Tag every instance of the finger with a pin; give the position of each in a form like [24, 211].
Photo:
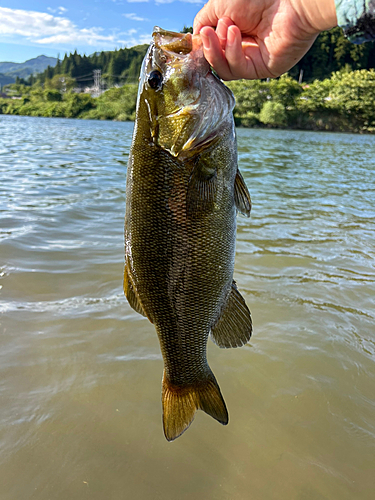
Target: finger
[222, 30]
[257, 60]
[197, 26]
[214, 54]
[239, 65]
[205, 17]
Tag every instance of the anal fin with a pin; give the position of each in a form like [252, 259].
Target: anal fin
[241, 195]
[233, 328]
[130, 293]
[181, 403]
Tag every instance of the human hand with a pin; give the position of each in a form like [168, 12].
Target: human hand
[260, 38]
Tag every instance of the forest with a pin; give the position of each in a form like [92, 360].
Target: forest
[331, 52]
[331, 88]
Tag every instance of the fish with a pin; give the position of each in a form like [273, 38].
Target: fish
[183, 192]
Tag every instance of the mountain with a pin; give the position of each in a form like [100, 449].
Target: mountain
[37, 65]
[4, 79]
[10, 70]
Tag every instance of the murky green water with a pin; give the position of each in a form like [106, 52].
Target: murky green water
[80, 371]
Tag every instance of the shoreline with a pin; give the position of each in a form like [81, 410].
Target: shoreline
[342, 103]
[238, 126]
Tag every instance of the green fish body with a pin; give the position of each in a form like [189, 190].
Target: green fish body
[183, 192]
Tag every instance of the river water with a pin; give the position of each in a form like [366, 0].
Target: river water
[80, 371]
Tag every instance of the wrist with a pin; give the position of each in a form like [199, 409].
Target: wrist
[318, 15]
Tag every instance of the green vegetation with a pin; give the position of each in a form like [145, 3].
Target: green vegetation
[337, 92]
[344, 102]
[115, 104]
[273, 113]
[330, 53]
[9, 71]
[117, 67]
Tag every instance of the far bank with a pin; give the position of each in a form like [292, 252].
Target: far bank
[345, 102]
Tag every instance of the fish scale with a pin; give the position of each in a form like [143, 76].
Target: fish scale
[180, 227]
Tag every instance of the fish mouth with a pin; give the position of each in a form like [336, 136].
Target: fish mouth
[176, 43]
[192, 104]
[177, 49]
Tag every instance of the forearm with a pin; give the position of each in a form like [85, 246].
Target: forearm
[316, 15]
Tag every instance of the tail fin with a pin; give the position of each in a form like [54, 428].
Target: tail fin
[181, 403]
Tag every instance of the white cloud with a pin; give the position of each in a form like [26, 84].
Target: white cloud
[136, 1]
[128, 39]
[31, 24]
[59, 10]
[131, 41]
[134, 17]
[44, 28]
[144, 39]
[90, 36]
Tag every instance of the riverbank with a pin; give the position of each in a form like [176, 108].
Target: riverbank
[343, 103]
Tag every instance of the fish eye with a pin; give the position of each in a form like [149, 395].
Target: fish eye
[155, 79]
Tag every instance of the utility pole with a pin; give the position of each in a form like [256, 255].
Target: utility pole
[97, 79]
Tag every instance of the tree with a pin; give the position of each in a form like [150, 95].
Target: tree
[62, 83]
[273, 113]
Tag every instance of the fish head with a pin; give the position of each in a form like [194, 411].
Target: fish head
[183, 102]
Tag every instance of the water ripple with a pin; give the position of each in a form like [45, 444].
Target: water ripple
[73, 353]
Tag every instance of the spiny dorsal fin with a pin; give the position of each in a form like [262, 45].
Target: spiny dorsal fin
[181, 403]
[241, 195]
[234, 326]
[130, 293]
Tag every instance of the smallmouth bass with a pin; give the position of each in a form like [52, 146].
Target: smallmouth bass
[182, 195]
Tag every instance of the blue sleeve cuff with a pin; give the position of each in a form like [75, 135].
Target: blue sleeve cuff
[357, 19]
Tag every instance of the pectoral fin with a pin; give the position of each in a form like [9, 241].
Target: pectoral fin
[202, 189]
[131, 294]
[234, 326]
[241, 195]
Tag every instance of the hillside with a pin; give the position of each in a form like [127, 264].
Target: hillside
[5, 79]
[330, 53]
[10, 70]
[117, 67]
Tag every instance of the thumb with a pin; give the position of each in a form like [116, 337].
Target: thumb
[205, 17]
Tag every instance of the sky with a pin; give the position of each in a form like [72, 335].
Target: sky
[53, 27]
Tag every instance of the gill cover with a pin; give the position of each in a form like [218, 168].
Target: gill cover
[186, 103]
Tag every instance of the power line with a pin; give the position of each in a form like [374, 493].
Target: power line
[97, 81]
[84, 76]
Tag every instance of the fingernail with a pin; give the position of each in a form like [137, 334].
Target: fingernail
[231, 36]
[205, 41]
[220, 21]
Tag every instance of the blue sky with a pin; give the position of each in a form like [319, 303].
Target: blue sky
[51, 27]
